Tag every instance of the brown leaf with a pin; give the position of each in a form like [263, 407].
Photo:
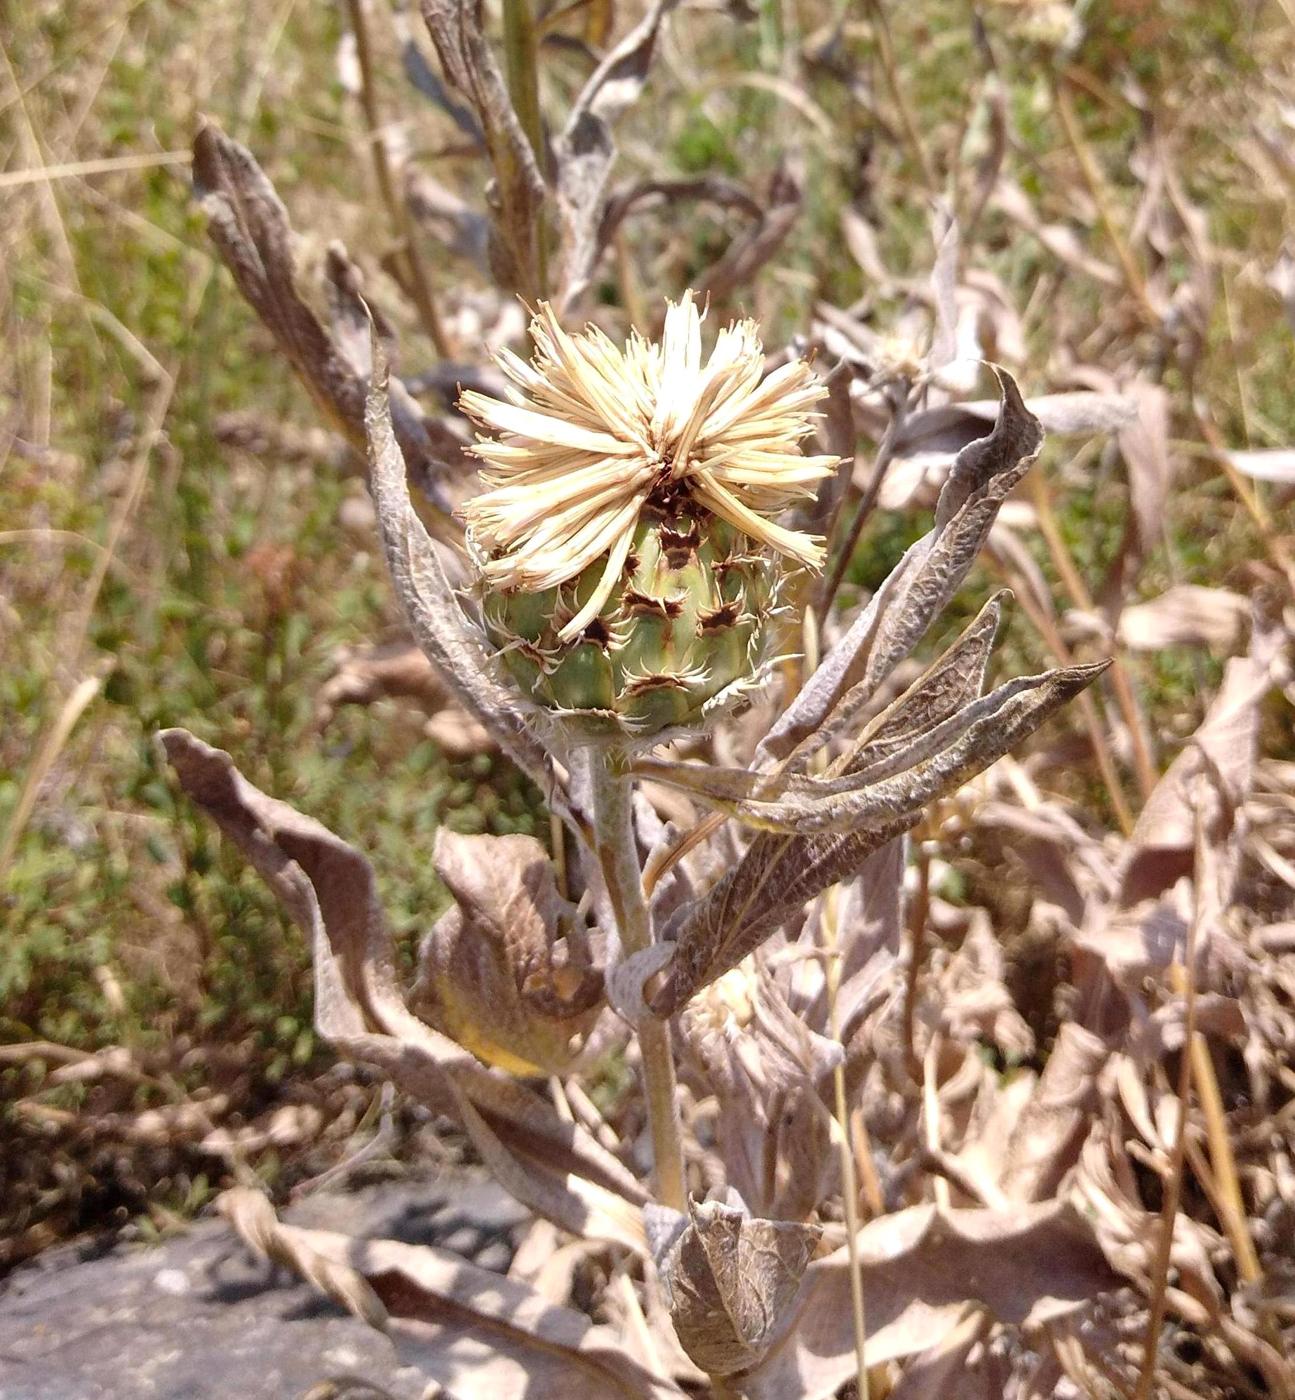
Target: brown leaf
[920, 1270]
[365, 674]
[518, 193]
[585, 151]
[1047, 1136]
[1222, 752]
[497, 973]
[728, 1280]
[250, 227]
[749, 252]
[767, 1070]
[328, 889]
[489, 1337]
[1186, 615]
[1144, 444]
[924, 580]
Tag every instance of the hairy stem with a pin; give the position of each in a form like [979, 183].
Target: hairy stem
[618, 860]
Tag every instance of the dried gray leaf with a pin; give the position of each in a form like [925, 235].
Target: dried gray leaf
[518, 192]
[250, 228]
[728, 1279]
[924, 580]
[437, 621]
[328, 889]
[489, 1337]
[920, 1271]
[892, 787]
[769, 885]
[946, 686]
[585, 151]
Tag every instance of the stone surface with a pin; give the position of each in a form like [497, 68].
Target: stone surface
[198, 1317]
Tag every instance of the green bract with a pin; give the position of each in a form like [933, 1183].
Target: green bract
[683, 635]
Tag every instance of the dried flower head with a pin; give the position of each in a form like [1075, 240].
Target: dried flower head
[597, 435]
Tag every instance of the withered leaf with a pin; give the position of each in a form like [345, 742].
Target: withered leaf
[518, 193]
[490, 1337]
[452, 644]
[1186, 615]
[924, 580]
[920, 1270]
[769, 885]
[952, 681]
[585, 151]
[888, 789]
[749, 252]
[1222, 753]
[496, 973]
[250, 228]
[328, 888]
[728, 1280]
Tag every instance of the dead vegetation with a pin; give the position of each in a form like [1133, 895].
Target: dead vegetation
[965, 1049]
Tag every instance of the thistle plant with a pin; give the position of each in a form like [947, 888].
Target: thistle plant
[629, 557]
[628, 552]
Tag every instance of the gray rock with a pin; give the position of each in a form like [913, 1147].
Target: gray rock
[198, 1317]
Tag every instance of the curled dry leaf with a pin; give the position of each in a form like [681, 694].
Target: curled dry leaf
[250, 228]
[729, 1279]
[925, 579]
[327, 887]
[502, 972]
[453, 645]
[518, 192]
[749, 252]
[491, 1338]
[921, 1269]
[767, 1070]
[1222, 752]
[817, 830]
[252, 1215]
[585, 151]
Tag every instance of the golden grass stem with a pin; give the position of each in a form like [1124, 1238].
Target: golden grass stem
[1174, 1186]
[1222, 1161]
[849, 1183]
[51, 745]
[1144, 767]
[418, 283]
[1096, 184]
[886, 50]
[1088, 711]
[1249, 498]
[521, 68]
[617, 850]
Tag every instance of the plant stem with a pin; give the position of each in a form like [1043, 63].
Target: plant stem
[418, 284]
[849, 1182]
[618, 859]
[521, 64]
[1159, 1272]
